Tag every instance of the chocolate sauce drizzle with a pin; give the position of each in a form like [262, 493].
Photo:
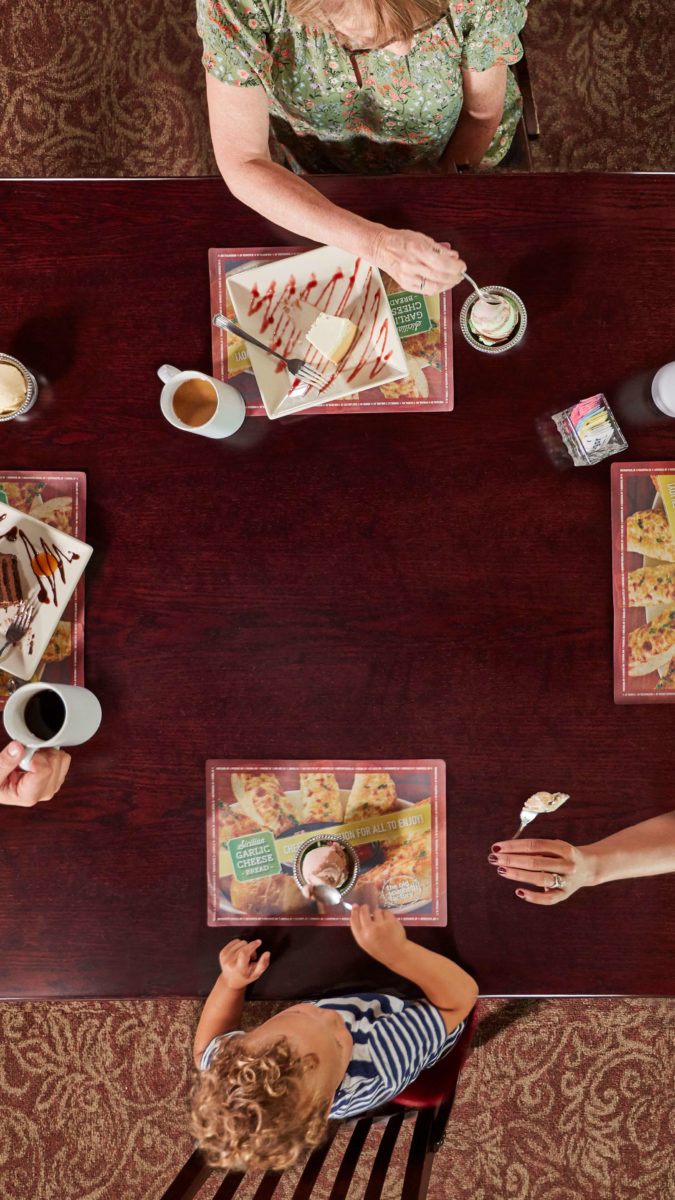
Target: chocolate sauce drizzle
[51, 551]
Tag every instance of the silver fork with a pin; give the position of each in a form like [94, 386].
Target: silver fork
[297, 366]
[20, 625]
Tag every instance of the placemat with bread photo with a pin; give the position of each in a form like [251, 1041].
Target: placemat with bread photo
[643, 523]
[260, 815]
[424, 325]
[58, 499]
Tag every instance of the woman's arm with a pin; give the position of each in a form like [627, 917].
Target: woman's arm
[644, 849]
[239, 119]
[225, 1003]
[446, 985]
[484, 93]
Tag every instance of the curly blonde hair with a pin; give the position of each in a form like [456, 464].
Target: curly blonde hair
[392, 19]
[253, 1109]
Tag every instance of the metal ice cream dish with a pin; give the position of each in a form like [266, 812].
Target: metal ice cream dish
[499, 346]
[327, 839]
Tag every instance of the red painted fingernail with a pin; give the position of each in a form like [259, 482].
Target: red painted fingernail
[497, 848]
[519, 892]
[492, 858]
[501, 870]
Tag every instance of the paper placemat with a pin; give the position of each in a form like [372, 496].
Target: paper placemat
[59, 499]
[643, 571]
[257, 821]
[424, 324]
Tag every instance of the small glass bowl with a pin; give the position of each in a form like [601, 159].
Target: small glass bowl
[31, 388]
[324, 839]
[500, 347]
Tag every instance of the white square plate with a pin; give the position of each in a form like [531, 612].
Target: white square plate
[327, 280]
[49, 563]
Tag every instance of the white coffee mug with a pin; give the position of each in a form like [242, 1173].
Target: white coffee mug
[663, 389]
[73, 721]
[229, 412]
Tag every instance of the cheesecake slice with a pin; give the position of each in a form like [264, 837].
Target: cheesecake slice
[332, 336]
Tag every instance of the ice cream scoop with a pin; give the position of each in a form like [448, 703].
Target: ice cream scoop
[540, 802]
[493, 322]
[12, 388]
[324, 864]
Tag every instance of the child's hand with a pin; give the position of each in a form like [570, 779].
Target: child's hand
[378, 932]
[238, 963]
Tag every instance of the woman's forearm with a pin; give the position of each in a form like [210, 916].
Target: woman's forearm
[470, 140]
[444, 983]
[290, 201]
[644, 849]
[221, 1013]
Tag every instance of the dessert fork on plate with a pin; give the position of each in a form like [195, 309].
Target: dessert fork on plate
[297, 366]
[20, 625]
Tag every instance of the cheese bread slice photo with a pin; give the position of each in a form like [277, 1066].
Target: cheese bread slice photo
[651, 585]
[232, 823]
[261, 797]
[649, 533]
[371, 793]
[320, 797]
[652, 646]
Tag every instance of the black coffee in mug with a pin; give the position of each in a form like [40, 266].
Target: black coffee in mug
[44, 715]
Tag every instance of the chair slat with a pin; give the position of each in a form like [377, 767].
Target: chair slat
[268, 1185]
[350, 1159]
[229, 1185]
[383, 1157]
[189, 1179]
[420, 1159]
[317, 1158]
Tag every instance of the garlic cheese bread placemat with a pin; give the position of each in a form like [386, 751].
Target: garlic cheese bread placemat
[59, 499]
[643, 568]
[259, 814]
[424, 325]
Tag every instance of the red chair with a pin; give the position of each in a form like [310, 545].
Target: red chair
[431, 1096]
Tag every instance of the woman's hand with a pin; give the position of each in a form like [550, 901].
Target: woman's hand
[46, 772]
[535, 861]
[238, 965]
[378, 932]
[417, 262]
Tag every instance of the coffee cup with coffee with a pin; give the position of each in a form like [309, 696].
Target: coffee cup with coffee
[198, 403]
[44, 715]
[18, 388]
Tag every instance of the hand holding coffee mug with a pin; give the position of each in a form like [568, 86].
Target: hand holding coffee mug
[197, 403]
[45, 715]
[24, 789]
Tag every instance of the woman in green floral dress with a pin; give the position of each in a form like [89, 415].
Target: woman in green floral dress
[299, 87]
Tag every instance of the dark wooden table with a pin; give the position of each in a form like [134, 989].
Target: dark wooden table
[340, 586]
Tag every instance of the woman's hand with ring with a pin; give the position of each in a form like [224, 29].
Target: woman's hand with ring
[410, 257]
[536, 861]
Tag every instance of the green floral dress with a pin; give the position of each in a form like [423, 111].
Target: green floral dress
[369, 113]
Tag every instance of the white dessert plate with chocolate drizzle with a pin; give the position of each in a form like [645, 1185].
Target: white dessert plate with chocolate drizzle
[278, 303]
[38, 563]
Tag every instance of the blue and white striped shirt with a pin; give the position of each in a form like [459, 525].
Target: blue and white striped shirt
[393, 1040]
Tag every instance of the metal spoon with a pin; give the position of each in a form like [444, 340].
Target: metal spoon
[486, 296]
[328, 895]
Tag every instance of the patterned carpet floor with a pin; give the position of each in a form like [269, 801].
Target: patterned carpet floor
[559, 1100]
[116, 88]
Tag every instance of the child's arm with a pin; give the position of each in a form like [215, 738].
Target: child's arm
[224, 1004]
[445, 984]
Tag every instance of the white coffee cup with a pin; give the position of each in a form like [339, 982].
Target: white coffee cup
[663, 389]
[81, 717]
[230, 407]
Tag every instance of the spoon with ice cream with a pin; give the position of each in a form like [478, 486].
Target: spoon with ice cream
[540, 802]
[486, 296]
[328, 895]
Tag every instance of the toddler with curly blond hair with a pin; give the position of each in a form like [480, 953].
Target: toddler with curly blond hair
[263, 1098]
